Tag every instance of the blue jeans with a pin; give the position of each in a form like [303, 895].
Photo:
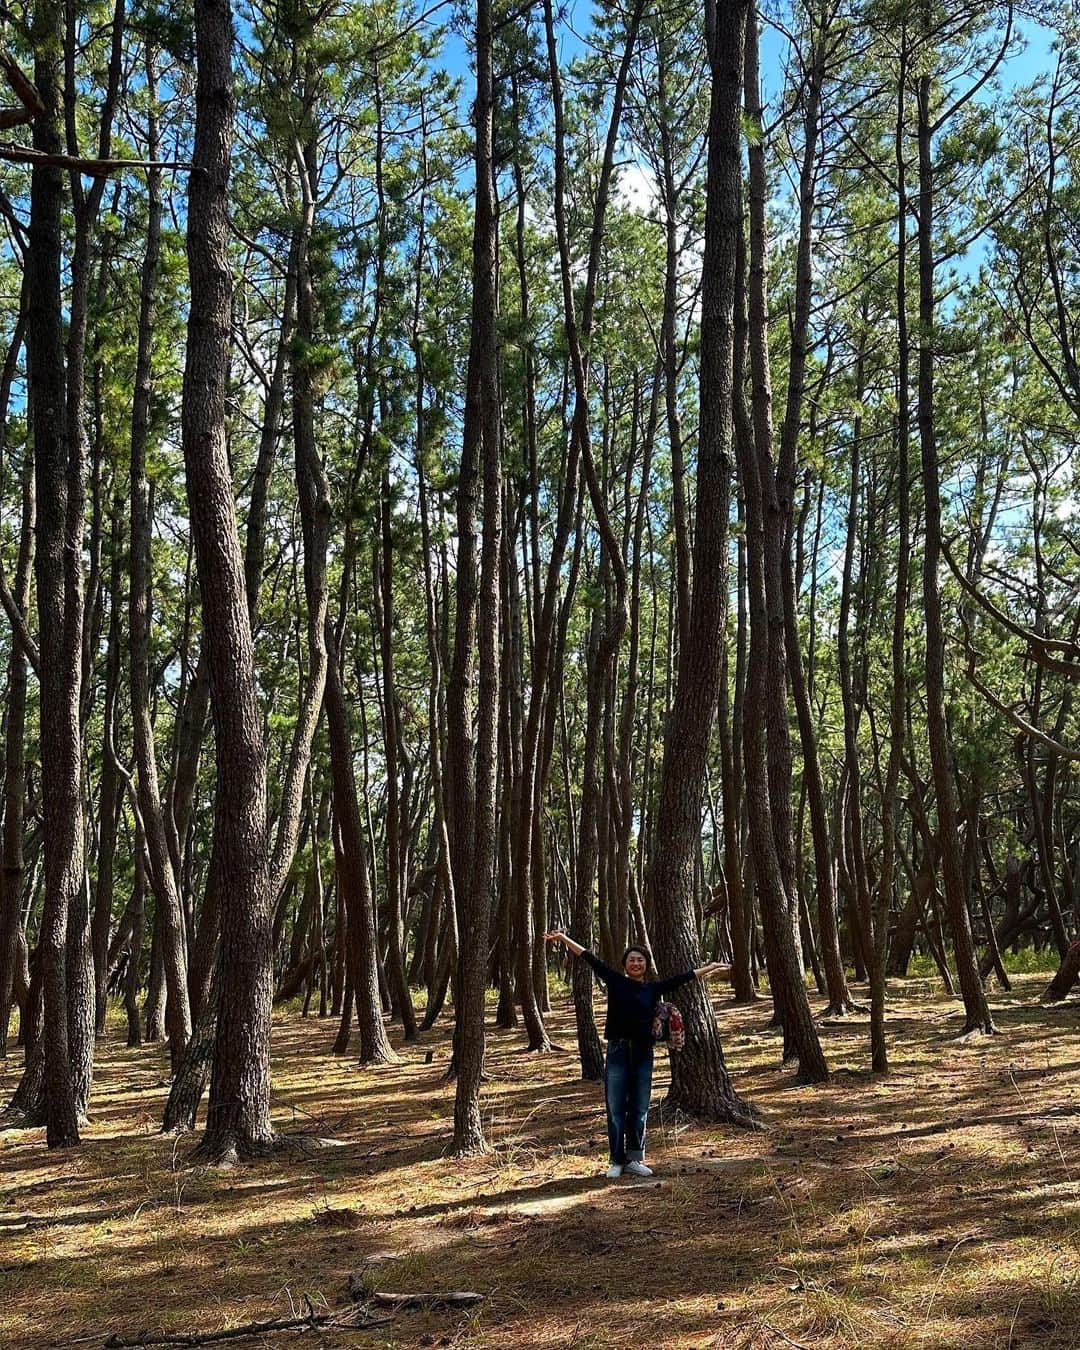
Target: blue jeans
[627, 1088]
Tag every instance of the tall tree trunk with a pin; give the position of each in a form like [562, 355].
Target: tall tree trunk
[82, 617]
[589, 1050]
[840, 1001]
[859, 909]
[161, 861]
[898, 693]
[977, 1012]
[313, 494]
[481, 447]
[133, 973]
[238, 1120]
[767, 537]
[110, 792]
[436, 698]
[578, 331]
[396, 806]
[58, 565]
[354, 881]
[670, 196]
[700, 1083]
[12, 860]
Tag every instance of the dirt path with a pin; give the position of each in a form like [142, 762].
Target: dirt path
[939, 1208]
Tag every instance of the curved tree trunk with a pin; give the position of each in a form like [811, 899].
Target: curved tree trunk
[1068, 974]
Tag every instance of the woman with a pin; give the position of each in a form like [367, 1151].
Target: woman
[628, 1064]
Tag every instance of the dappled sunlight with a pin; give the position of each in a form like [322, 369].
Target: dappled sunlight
[936, 1207]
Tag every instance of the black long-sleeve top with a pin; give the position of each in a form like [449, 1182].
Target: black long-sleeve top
[632, 1003]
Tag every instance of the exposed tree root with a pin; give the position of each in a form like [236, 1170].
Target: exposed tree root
[840, 1010]
[726, 1111]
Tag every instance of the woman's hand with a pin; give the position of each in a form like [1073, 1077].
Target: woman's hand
[567, 941]
[713, 968]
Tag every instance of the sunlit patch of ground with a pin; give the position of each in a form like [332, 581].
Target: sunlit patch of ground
[937, 1208]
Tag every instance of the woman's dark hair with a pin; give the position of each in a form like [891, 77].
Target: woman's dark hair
[635, 948]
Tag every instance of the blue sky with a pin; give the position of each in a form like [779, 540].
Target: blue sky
[1029, 52]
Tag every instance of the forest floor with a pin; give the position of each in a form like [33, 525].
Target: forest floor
[938, 1207]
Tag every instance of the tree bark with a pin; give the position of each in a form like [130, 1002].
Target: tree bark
[161, 861]
[898, 693]
[58, 568]
[238, 1120]
[110, 789]
[840, 1001]
[354, 881]
[768, 793]
[977, 1013]
[12, 860]
[481, 445]
[135, 949]
[700, 1083]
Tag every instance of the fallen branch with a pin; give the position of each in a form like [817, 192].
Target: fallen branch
[460, 1299]
[311, 1322]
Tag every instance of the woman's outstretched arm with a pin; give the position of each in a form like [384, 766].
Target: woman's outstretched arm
[713, 968]
[673, 982]
[605, 973]
[566, 940]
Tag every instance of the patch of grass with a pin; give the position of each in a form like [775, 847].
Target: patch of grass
[1028, 961]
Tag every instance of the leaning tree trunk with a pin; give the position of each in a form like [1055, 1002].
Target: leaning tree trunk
[161, 861]
[578, 332]
[768, 793]
[238, 1120]
[976, 1010]
[840, 1000]
[1067, 975]
[700, 1083]
[313, 495]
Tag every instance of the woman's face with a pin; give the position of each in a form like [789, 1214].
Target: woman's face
[636, 965]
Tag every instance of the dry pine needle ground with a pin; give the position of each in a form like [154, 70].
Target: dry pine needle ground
[939, 1207]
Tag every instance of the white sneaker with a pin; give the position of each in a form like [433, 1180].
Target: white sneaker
[614, 1172]
[638, 1169]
